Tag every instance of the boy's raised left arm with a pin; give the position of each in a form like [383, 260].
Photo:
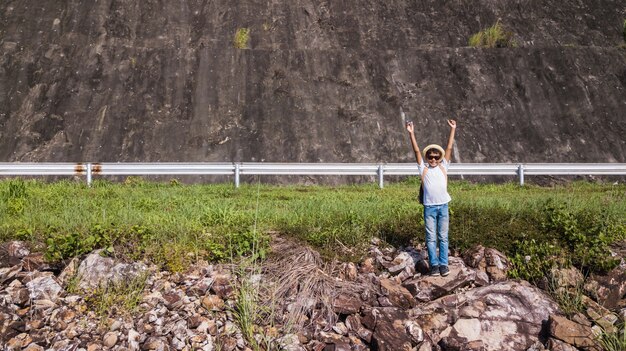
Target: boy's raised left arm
[452, 124]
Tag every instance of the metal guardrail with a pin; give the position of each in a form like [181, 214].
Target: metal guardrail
[89, 170]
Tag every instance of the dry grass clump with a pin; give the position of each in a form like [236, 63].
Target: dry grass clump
[304, 285]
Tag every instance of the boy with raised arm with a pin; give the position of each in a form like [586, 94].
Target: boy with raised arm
[434, 176]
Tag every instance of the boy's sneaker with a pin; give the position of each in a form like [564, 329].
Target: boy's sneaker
[434, 271]
[444, 270]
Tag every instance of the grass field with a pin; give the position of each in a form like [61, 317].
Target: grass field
[173, 224]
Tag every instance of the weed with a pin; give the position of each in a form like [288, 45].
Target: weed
[493, 37]
[242, 38]
[569, 298]
[613, 341]
[532, 260]
[121, 297]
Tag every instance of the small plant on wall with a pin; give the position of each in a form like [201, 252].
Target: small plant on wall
[493, 37]
[242, 38]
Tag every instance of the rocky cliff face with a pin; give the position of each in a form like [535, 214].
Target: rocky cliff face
[317, 81]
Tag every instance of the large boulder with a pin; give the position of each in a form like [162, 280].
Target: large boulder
[504, 316]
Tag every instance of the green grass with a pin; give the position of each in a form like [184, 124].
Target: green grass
[173, 224]
[242, 38]
[492, 37]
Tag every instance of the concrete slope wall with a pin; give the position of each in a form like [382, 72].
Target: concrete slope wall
[317, 81]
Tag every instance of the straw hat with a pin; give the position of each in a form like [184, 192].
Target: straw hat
[436, 147]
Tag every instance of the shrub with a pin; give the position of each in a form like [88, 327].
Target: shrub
[493, 37]
[242, 37]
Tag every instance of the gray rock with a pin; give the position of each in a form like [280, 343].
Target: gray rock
[504, 316]
[44, 287]
[95, 271]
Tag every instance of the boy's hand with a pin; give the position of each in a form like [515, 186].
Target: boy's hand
[409, 127]
[452, 123]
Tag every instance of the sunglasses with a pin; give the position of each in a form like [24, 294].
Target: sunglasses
[433, 157]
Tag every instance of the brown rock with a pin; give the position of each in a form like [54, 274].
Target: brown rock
[558, 345]
[347, 304]
[398, 295]
[213, 303]
[33, 347]
[389, 333]
[571, 332]
[367, 266]
[222, 286]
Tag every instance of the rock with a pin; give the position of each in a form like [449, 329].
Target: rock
[346, 304]
[44, 287]
[95, 271]
[222, 286]
[400, 262]
[212, 303]
[367, 266]
[109, 339]
[570, 332]
[389, 331]
[608, 290]
[429, 288]
[34, 262]
[558, 345]
[487, 260]
[600, 315]
[12, 252]
[133, 340]
[566, 277]
[290, 342]
[504, 316]
[69, 272]
[415, 331]
[398, 295]
[33, 347]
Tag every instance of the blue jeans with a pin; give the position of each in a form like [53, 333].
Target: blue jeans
[436, 222]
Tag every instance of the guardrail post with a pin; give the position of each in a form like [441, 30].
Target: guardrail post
[380, 176]
[89, 174]
[520, 173]
[236, 175]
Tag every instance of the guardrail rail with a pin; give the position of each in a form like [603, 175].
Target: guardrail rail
[90, 170]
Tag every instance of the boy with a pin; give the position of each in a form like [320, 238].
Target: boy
[434, 176]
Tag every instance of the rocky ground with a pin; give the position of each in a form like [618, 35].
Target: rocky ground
[298, 302]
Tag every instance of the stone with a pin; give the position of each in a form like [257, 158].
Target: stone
[346, 304]
[608, 290]
[367, 266]
[95, 271]
[558, 345]
[429, 288]
[12, 252]
[570, 332]
[44, 287]
[109, 339]
[213, 303]
[415, 331]
[222, 286]
[69, 272]
[389, 332]
[504, 316]
[398, 295]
